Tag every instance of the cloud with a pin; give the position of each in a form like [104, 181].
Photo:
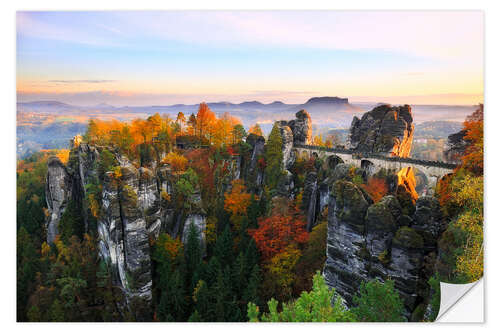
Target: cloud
[80, 81]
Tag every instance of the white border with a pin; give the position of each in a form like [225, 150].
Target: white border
[7, 63]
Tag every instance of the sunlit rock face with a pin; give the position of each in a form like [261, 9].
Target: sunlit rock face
[386, 129]
[406, 178]
[57, 192]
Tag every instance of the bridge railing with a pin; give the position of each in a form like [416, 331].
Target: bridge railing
[361, 155]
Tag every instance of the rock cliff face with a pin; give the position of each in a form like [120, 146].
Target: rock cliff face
[385, 129]
[130, 206]
[250, 168]
[57, 192]
[287, 139]
[369, 240]
[132, 210]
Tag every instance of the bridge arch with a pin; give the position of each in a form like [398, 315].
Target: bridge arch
[432, 170]
[369, 168]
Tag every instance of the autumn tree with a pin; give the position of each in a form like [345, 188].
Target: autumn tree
[205, 120]
[277, 232]
[461, 197]
[255, 129]
[181, 120]
[376, 187]
[176, 161]
[237, 200]
[473, 159]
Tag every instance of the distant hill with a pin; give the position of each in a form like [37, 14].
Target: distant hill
[334, 111]
[437, 129]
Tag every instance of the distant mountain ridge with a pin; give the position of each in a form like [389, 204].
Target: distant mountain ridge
[326, 111]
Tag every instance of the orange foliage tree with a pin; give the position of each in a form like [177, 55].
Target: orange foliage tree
[237, 200]
[176, 161]
[473, 158]
[377, 188]
[277, 232]
[255, 129]
[205, 120]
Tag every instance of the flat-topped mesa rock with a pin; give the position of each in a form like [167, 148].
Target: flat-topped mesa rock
[386, 129]
[327, 100]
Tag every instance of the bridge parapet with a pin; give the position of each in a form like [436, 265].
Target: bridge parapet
[365, 155]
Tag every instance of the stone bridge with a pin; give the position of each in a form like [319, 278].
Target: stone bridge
[372, 162]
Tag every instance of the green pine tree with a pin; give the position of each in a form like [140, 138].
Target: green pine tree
[274, 159]
[378, 302]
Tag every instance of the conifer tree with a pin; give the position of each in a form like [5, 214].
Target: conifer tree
[224, 248]
[274, 158]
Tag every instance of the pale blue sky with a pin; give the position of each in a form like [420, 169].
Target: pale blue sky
[136, 58]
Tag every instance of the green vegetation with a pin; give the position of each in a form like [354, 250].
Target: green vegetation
[378, 302]
[313, 306]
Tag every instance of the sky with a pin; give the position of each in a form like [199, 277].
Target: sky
[169, 57]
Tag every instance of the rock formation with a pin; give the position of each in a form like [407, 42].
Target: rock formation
[250, 168]
[287, 140]
[293, 132]
[301, 128]
[57, 193]
[133, 209]
[385, 129]
[455, 147]
[369, 240]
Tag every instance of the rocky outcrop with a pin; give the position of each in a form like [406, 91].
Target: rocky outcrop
[385, 129]
[455, 146]
[428, 220]
[58, 193]
[346, 254]
[310, 198]
[128, 202]
[369, 241]
[134, 207]
[250, 168]
[301, 128]
[296, 131]
[286, 143]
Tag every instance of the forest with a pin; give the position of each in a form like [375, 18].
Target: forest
[259, 258]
